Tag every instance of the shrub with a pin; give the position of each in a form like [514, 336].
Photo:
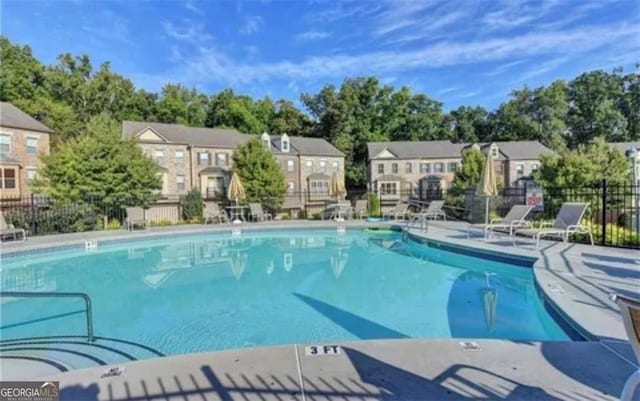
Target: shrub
[316, 216]
[161, 223]
[374, 205]
[59, 218]
[114, 224]
[192, 205]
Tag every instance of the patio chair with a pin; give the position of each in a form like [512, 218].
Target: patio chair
[257, 213]
[567, 222]
[630, 310]
[398, 212]
[135, 215]
[213, 212]
[514, 220]
[10, 230]
[361, 209]
[434, 210]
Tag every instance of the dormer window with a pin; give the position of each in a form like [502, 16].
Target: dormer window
[493, 151]
[284, 143]
[266, 140]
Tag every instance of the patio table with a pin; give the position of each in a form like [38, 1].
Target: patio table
[236, 212]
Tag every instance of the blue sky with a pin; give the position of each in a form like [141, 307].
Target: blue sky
[465, 52]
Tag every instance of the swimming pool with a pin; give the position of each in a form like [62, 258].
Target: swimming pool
[211, 291]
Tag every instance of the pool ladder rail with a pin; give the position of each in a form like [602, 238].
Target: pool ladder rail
[33, 294]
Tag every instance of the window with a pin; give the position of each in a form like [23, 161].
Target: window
[519, 169]
[388, 188]
[7, 178]
[394, 168]
[221, 159]
[380, 168]
[5, 143]
[291, 187]
[180, 182]
[453, 167]
[158, 156]
[319, 187]
[534, 167]
[291, 167]
[323, 166]
[494, 152]
[425, 168]
[32, 146]
[203, 158]
[309, 163]
[408, 168]
[32, 173]
[179, 157]
[438, 167]
[285, 143]
[335, 165]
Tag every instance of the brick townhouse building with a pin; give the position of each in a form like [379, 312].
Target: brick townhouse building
[201, 158]
[23, 139]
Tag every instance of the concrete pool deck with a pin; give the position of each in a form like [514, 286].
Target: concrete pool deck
[576, 279]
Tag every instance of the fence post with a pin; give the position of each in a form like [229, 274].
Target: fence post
[34, 226]
[524, 193]
[604, 212]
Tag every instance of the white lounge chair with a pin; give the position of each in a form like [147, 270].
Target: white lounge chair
[257, 213]
[398, 212]
[434, 210]
[212, 212]
[514, 220]
[630, 310]
[135, 215]
[361, 209]
[10, 230]
[567, 222]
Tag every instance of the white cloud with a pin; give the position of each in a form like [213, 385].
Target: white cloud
[252, 24]
[189, 32]
[312, 35]
[191, 6]
[215, 65]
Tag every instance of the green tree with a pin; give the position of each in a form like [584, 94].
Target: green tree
[100, 165]
[586, 166]
[228, 110]
[469, 174]
[469, 124]
[179, 105]
[259, 173]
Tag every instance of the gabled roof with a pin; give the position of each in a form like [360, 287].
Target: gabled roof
[417, 149]
[624, 146]
[13, 117]
[522, 150]
[227, 138]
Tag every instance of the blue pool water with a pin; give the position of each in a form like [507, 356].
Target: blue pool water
[210, 292]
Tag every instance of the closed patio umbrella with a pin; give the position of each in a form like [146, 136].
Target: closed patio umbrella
[337, 190]
[236, 191]
[487, 186]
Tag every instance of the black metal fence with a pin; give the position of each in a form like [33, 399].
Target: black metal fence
[613, 214]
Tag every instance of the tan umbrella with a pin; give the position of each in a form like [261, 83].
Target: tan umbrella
[236, 190]
[336, 186]
[337, 190]
[487, 186]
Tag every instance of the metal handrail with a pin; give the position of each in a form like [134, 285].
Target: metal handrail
[87, 302]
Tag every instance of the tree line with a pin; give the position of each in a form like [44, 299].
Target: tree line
[562, 115]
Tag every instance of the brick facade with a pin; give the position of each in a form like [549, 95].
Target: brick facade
[21, 160]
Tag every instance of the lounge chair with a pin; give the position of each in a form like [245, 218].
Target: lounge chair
[514, 220]
[212, 212]
[434, 210]
[361, 209]
[10, 230]
[398, 212]
[567, 222]
[257, 213]
[135, 215]
[630, 309]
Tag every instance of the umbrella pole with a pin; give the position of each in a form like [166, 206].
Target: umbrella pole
[486, 211]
